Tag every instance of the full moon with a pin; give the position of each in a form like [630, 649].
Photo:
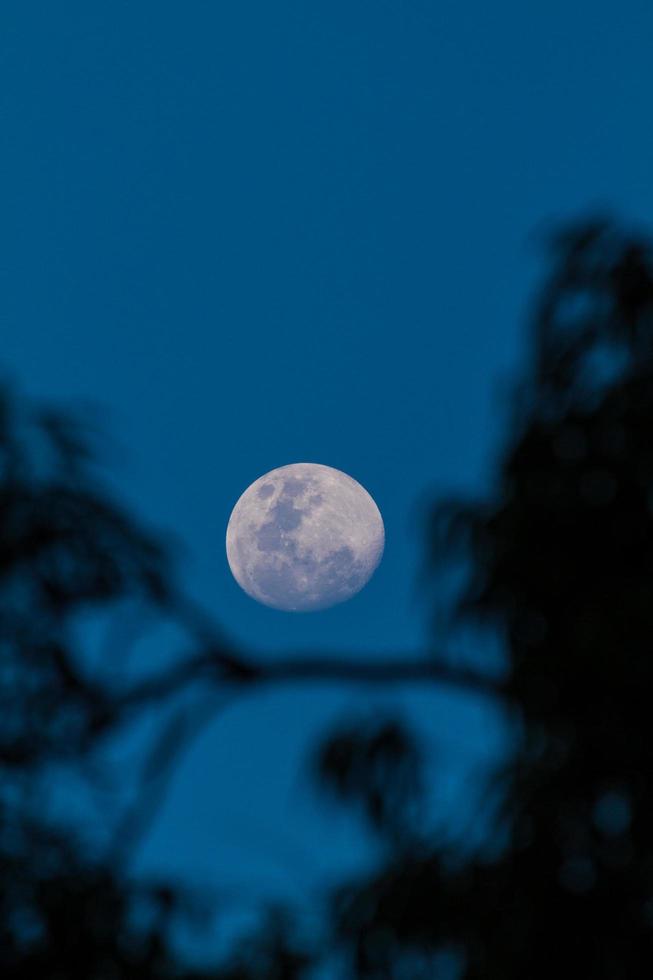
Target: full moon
[304, 536]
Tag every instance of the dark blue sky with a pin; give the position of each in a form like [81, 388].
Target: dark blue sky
[257, 233]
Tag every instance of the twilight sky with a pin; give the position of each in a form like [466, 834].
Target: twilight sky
[260, 233]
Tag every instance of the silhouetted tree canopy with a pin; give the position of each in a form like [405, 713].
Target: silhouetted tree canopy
[560, 563]
[559, 566]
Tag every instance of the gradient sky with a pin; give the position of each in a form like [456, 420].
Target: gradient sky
[258, 233]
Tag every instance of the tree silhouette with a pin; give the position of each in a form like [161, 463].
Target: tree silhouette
[559, 565]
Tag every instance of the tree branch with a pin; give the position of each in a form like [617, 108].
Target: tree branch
[218, 666]
[397, 670]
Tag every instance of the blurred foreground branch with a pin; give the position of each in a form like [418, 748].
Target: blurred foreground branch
[250, 672]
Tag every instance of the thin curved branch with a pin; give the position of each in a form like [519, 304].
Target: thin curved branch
[174, 739]
[218, 666]
[399, 670]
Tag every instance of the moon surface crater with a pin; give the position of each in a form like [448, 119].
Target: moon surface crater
[304, 537]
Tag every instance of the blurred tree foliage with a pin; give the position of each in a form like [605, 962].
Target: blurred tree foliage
[68, 550]
[559, 565]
